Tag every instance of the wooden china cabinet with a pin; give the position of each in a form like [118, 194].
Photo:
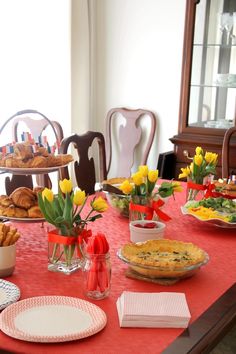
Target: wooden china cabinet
[208, 87]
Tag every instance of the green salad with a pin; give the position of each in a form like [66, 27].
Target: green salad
[121, 204]
[222, 205]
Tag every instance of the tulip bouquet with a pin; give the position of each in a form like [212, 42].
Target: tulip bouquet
[64, 211]
[200, 172]
[145, 196]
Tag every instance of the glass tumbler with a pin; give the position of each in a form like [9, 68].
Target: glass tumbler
[97, 275]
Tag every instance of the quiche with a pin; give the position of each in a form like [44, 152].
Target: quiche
[117, 180]
[163, 258]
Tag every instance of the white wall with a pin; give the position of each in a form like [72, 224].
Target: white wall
[35, 58]
[35, 61]
[138, 62]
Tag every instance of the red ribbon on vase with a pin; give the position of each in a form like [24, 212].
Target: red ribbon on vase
[149, 210]
[210, 190]
[54, 237]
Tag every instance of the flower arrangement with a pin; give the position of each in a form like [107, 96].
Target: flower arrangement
[198, 173]
[143, 191]
[64, 211]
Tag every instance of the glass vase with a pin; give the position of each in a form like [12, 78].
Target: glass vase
[97, 275]
[64, 253]
[195, 191]
[139, 207]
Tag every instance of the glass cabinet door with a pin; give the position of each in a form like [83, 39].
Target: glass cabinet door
[212, 96]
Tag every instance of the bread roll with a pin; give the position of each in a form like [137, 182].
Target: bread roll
[226, 189]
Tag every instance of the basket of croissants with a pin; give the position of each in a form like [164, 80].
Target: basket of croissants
[21, 203]
[28, 155]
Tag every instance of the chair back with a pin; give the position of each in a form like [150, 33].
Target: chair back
[36, 127]
[127, 136]
[226, 152]
[84, 167]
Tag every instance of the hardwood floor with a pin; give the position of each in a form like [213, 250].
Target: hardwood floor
[227, 345]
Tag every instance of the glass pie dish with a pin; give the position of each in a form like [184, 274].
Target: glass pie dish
[172, 272]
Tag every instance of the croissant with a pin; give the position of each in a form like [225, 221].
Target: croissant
[38, 189]
[5, 201]
[35, 212]
[2, 209]
[23, 197]
[59, 160]
[23, 164]
[11, 161]
[23, 151]
[38, 161]
[15, 212]
[2, 161]
[40, 150]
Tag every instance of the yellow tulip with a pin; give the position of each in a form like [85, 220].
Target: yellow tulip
[66, 186]
[48, 194]
[99, 205]
[137, 178]
[198, 150]
[191, 167]
[126, 187]
[185, 172]
[198, 160]
[79, 197]
[177, 187]
[153, 176]
[144, 170]
[211, 157]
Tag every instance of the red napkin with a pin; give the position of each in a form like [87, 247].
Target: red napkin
[98, 276]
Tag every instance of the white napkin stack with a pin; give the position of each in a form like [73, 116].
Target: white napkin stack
[163, 309]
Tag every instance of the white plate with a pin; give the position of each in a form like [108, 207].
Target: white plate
[52, 319]
[30, 171]
[9, 293]
[215, 221]
[25, 220]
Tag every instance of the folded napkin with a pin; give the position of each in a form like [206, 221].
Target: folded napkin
[163, 309]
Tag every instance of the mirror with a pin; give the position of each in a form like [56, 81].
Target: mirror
[212, 102]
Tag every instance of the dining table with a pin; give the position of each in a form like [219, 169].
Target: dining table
[210, 292]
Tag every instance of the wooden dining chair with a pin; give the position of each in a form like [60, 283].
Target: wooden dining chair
[124, 134]
[226, 171]
[85, 167]
[20, 122]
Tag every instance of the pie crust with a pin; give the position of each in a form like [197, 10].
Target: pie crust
[163, 258]
[116, 180]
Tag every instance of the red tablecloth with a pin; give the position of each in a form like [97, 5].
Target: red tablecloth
[201, 290]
